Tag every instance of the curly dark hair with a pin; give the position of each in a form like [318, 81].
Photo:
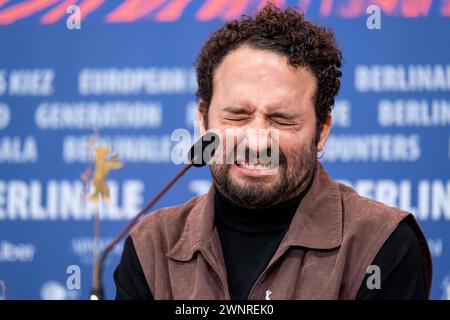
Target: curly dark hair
[285, 32]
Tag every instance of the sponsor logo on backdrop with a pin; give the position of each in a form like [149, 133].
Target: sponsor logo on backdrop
[54, 290]
[16, 252]
[83, 248]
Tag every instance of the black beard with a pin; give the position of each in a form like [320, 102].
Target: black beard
[294, 178]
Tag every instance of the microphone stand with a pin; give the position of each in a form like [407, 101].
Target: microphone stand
[97, 292]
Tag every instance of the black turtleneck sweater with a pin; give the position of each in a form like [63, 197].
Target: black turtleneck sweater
[250, 238]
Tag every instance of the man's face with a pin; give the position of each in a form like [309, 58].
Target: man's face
[259, 90]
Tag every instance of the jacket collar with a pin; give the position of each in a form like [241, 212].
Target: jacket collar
[317, 223]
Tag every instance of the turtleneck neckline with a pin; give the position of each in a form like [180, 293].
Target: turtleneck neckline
[266, 220]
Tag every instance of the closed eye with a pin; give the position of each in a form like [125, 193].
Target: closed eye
[284, 122]
[285, 119]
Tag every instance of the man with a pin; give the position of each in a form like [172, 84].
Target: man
[260, 233]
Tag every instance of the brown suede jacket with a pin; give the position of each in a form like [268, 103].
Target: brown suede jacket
[333, 238]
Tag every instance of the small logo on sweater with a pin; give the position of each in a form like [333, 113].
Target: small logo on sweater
[268, 293]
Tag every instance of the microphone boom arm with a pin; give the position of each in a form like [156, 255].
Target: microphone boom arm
[97, 292]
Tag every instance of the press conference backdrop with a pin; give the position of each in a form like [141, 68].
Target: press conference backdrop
[122, 75]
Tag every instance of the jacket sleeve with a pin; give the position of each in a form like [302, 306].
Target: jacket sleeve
[129, 276]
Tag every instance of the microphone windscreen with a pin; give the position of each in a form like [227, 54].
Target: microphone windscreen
[203, 149]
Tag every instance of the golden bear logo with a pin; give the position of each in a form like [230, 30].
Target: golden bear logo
[102, 167]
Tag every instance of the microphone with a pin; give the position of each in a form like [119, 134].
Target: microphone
[203, 149]
[199, 155]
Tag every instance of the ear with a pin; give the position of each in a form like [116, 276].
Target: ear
[200, 116]
[326, 127]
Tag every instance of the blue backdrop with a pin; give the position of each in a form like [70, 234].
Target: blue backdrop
[128, 72]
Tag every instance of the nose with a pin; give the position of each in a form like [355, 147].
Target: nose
[257, 139]
[258, 142]
[253, 142]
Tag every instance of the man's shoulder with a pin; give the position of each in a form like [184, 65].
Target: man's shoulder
[364, 214]
[168, 223]
[370, 225]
